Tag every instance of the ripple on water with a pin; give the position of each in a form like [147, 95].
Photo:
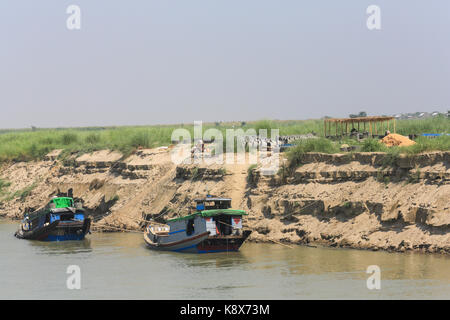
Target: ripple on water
[119, 266]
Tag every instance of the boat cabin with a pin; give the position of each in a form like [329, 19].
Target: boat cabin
[210, 203]
[60, 219]
[58, 208]
[220, 219]
[62, 208]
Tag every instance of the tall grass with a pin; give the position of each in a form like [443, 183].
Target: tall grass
[373, 145]
[439, 124]
[4, 186]
[424, 144]
[323, 145]
[25, 144]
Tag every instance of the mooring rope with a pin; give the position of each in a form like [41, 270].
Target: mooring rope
[253, 229]
[105, 226]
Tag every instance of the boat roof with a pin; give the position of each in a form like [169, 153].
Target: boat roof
[211, 199]
[62, 202]
[211, 213]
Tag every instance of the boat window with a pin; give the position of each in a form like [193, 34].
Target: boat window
[224, 204]
[213, 204]
[190, 227]
[223, 224]
[66, 216]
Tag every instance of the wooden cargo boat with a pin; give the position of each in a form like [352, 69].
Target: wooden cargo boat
[59, 220]
[214, 227]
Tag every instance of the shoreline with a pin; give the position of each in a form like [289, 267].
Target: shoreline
[331, 200]
[286, 243]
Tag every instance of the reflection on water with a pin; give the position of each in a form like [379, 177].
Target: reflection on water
[68, 247]
[218, 260]
[118, 265]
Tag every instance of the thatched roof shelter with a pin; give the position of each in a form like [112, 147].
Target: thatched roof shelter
[372, 125]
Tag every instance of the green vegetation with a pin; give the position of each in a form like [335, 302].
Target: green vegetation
[347, 204]
[440, 124]
[25, 192]
[195, 173]
[323, 145]
[21, 194]
[264, 125]
[285, 172]
[3, 187]
[424, 144]
[414, 177]
[92, 138]
[30, 144]
[114, 199]
[373, 145]
[251, 176]
[391, 157]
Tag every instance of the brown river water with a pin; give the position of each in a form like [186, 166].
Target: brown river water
[119, 266]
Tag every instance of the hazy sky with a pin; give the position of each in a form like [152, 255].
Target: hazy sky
[171, 61]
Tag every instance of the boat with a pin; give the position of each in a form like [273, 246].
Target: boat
[213, 227]
[59, 220]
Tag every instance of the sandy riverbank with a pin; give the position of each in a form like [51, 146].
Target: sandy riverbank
[335, 200]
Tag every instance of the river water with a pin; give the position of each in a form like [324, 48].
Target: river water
[119, 266]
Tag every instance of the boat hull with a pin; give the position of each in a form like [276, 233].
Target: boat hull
[185, 245]
[202, 243]
[222, 244]
[57, 231]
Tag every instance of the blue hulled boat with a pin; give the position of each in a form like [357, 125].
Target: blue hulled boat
[59, 220]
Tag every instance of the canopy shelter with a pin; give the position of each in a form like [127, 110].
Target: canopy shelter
[367, 126]
[211, 213]
[211, 202]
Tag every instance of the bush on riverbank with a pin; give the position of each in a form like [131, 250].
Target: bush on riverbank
[311, 145]
[423, 144]
[373, 145]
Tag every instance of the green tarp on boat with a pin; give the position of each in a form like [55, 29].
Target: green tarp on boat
[212, 213]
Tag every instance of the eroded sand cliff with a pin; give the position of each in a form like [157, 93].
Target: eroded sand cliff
[361, 200]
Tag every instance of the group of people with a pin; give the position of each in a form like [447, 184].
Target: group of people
[365, 134]
[198, 148]
[292, 138]
[252, 142]
[256, 142]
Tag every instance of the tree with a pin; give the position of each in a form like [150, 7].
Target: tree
[264, 124]
[362, 114]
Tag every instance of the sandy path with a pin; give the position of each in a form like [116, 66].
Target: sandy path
[236, 182]
[160, 192]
